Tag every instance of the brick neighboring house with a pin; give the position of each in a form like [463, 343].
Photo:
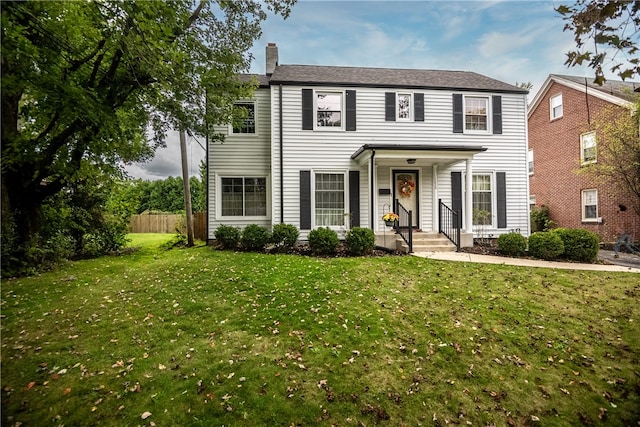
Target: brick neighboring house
[561, 139]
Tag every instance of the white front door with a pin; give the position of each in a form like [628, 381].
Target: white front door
[406, 190]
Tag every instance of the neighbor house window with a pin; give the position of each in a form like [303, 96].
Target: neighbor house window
[329, 109]
[588, 147]
[530, 161]
[329, 199]
[403, 109]
[589, 205]
[482, 199]
[532, 201]
[476, 113]
[243, 196]
[249, 123]
[556, 106]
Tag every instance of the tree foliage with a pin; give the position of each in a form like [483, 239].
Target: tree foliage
[618, 153]
[601, 25]
[83, 83]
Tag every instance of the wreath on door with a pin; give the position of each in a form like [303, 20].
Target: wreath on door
[406, 186]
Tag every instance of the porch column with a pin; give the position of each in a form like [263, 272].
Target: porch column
[434, 202]
[468, 214]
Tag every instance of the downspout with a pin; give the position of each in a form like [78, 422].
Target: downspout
[371, 179]
[206, 154]
[586, 100]
[281, 159]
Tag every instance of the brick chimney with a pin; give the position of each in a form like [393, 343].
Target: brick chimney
[272, 58]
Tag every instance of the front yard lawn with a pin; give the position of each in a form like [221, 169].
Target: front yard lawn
[205, 337]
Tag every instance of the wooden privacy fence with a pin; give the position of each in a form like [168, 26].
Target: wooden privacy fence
[167, 223]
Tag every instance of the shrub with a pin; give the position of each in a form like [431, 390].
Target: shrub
[284, 236]
[360, 241]
[512, 244]
[323, 241]
[254, 238]
[227, 236]
[545, 245]
[541, 220]
[579, 245]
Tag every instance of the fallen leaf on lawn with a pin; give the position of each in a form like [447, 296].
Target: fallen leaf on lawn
[67, 390]
[145, 415]
[162, 367]
[30, 385]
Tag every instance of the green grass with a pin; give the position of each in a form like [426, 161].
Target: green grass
[204, 337]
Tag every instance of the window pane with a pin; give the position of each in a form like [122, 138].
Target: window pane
[404, 106]
[588, 147]
[329, 198]
[590, 203]
[249, 125]
[329, 109]
[256, 196]
[476, 113]
[556, 106]
[481, 199]
[231, 196]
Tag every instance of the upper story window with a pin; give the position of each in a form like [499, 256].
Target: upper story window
[530, 161]
[588, 147]
[404, 112]
[556, 106]
[249, 123]
[329, 109]
[475, 113]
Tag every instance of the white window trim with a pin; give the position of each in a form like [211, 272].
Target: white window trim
[530, 160]
[582, 141]
[411, 113]
[583, 205]
[218, 196]
[255, 117]
[494, 197]
[345, 173]
[532, 200]
[489, 115]
[551, 116]
[343, 111]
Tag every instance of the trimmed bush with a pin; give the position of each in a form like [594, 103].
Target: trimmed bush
[545, 245]
[323, 241]
[579, 245]
[254, 238]
[512, 244]
[284, 236]
[360, 241]
[227, 236]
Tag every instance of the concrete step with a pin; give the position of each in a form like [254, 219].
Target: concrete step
[428, 242]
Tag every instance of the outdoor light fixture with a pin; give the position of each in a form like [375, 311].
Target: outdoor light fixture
[411, 161]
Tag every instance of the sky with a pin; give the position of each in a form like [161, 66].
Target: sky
[508, 40]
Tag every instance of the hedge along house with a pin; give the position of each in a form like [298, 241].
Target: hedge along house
[339, 147]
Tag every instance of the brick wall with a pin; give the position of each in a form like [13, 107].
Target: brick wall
[556, 182]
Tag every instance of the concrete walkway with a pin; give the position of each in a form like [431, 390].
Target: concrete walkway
[625, 263]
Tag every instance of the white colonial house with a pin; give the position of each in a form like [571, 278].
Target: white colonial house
[339, 147]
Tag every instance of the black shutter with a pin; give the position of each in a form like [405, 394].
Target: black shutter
[390, 106]
[351, 110]
[307, 109]
[497, 114]
[305, 200]
[458, 116]
[354, 198]
[456, 194]
[418, 107]
[501, 197]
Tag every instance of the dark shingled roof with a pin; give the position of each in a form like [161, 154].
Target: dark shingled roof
[387, 77]
[263, 80]
[621, 89]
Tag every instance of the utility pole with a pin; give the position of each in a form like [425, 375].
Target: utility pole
[187, 191]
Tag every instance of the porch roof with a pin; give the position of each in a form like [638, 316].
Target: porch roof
[420, 151]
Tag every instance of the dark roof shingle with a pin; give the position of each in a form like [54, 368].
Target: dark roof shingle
[621, 89]
[388, 77]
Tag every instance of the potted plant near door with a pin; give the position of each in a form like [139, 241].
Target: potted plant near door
[390, 218]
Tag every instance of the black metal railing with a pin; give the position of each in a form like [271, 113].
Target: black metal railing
[404, 225]
[450, 223]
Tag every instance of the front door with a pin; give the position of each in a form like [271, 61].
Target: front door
[406, 190]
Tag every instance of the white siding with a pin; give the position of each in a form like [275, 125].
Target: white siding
[241, 155]
[316, 150]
